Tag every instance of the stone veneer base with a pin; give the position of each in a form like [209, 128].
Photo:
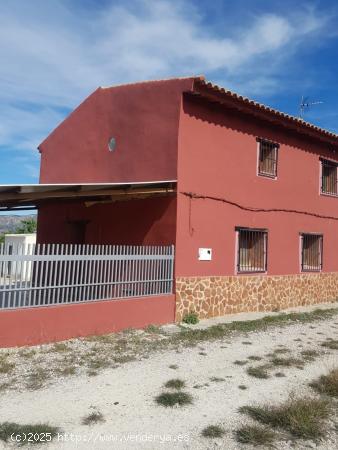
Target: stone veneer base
[218, 296]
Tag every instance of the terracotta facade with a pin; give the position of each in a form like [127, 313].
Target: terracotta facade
[217, 296]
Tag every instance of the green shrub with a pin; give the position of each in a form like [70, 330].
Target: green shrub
[191, 318]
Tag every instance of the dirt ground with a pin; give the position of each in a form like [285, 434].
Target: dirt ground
[214, 371]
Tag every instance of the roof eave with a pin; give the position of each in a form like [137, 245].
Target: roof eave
[230, 99]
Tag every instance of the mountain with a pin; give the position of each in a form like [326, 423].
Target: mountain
[8, 224]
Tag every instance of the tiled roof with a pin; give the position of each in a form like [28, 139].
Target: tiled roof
[202, 86]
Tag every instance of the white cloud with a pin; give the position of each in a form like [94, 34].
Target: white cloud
[53, 55]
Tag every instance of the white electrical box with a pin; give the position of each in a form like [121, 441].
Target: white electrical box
[204, 254]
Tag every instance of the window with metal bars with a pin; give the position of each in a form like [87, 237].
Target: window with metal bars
[312, 252]
[267, 158]
[329, 177]
[252, 250]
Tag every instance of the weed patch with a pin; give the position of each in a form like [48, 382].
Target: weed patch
[152, 329]
[258, 372]
[5, 365]
[240, 363]
[93, 418]
[175, 383]
[27, 353]
[301, 417]
[280, 374]
[213, 431]
[191, 318]
[255, 358]
[66, 371]
[37, 378]
[331, 344]
[309, 355]
[98, 363]
[287, 362]
[327, 384]
[281, 351]
[255, 435]
[170, 399]
[60, 347]
[216, 379]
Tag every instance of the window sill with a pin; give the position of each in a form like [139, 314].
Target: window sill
[250, 272]
[265, 175]
[327, 194]
[311, 270]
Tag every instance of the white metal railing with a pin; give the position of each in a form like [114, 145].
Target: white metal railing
[50, 274]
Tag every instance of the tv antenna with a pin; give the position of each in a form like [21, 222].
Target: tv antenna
[305, 104]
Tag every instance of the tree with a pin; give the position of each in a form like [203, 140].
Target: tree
[27, 226]
[2, 238]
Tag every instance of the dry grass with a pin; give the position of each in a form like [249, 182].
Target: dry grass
[153, 329]
[175, 383]
[217, 379]
[66, 371]
[309, 353]
[281, 350]
[6, 366]
[327, 384]
[60, 347]
[280, 374]
[5, 386]
[27, 352]
[258, 371]
[255, 358]
[255, 435]
[240, 363]
[287, 362]
[331, 344]
[170, 399]
[37, 378]
[98, 363]
[213, 431]
[93, 418]
[301, 417]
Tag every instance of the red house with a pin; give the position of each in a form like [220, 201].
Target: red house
[252, 211]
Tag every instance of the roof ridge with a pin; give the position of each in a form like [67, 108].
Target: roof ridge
[192, 77]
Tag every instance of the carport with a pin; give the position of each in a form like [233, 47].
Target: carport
[104, 260]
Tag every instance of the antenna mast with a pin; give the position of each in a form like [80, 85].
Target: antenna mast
[306, 104]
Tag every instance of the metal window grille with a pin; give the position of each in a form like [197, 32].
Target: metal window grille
[329, 178]
[252, 250]
[268, 154]
[43, 275]
[312, 252]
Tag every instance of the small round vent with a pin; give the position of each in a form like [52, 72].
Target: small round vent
[111, 144]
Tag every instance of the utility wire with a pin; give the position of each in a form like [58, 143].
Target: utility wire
[193, 195]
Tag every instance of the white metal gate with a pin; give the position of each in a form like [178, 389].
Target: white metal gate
[51, 274]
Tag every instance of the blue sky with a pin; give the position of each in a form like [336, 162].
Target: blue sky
[54, 53]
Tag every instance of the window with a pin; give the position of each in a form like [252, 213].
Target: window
[329, 177]
[267, 158]
[312, 252]
[252, 248]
